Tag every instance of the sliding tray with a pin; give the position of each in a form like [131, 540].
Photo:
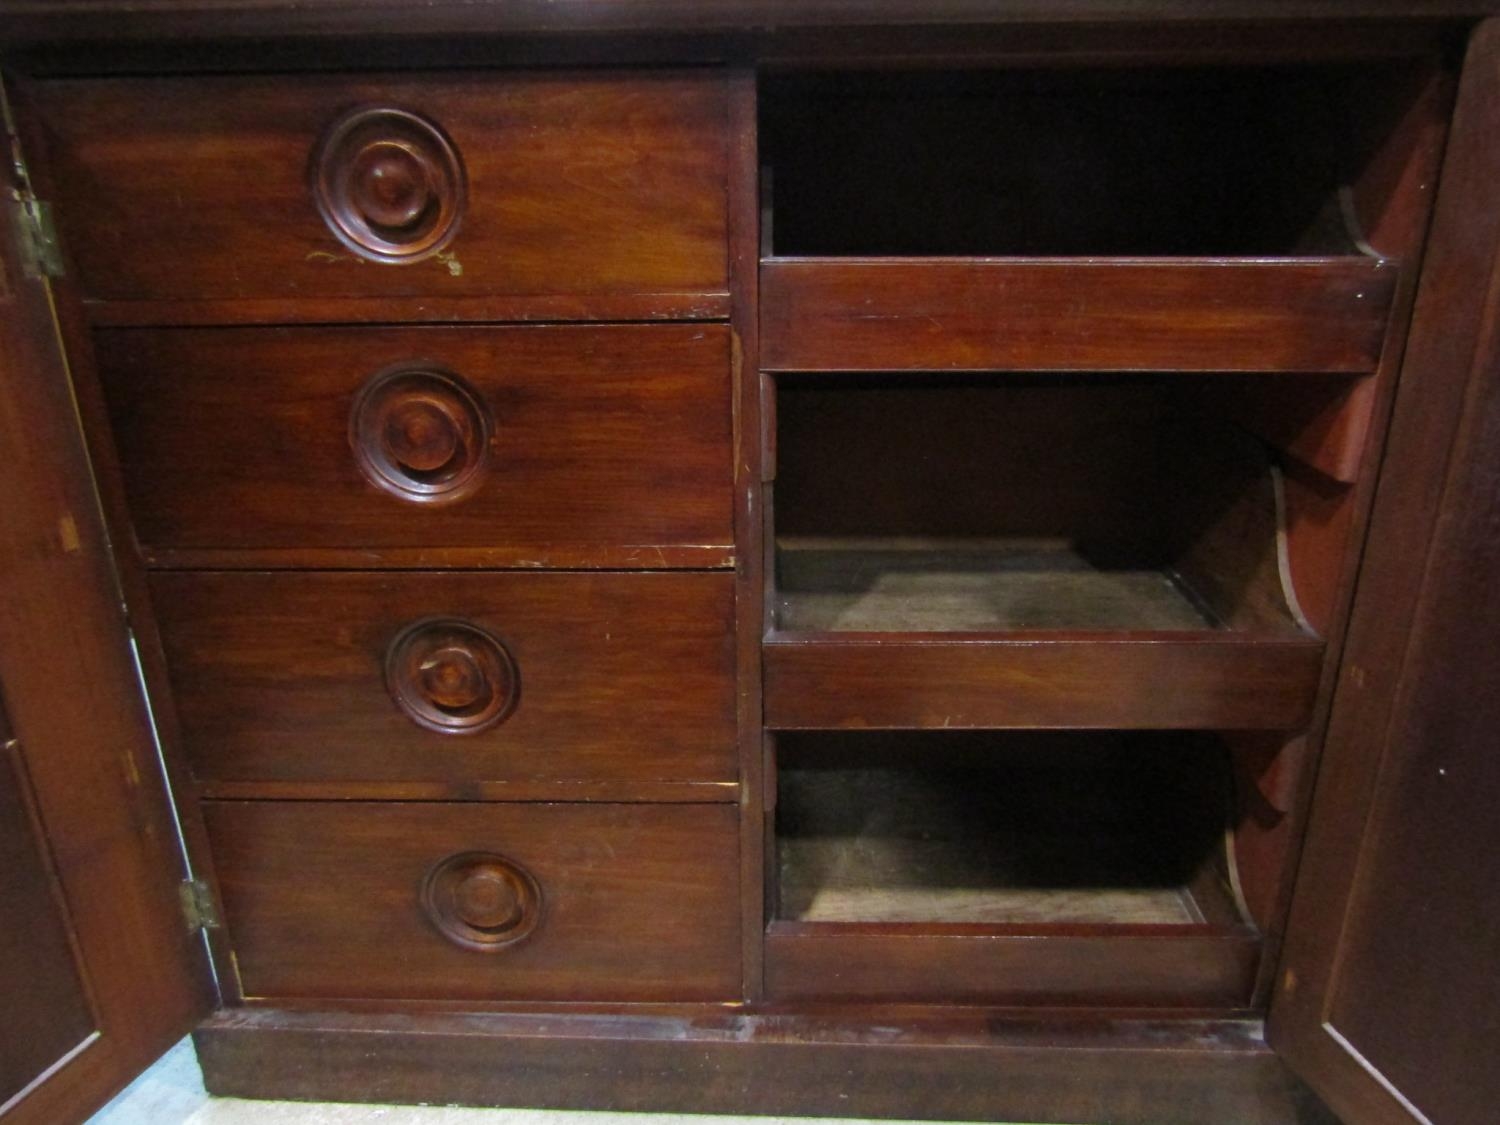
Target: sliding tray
[917, 867]
[1028, 551]
[975, 314]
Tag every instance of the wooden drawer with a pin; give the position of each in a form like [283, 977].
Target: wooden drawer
[616, 679]
[479, 902]
[550, 445]
[573, 186]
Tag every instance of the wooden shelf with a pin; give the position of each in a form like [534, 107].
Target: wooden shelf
[1123, 967]
[1056, 680]
[871, 635]
[1294, 315]
[927, 866]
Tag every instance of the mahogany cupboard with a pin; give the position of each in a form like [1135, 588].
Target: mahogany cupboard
[872, 559]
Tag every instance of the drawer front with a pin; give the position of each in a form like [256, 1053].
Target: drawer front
[479, 902]
[260, 187]
[534, 439]
[457, 678]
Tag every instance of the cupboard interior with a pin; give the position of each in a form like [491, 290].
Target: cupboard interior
[1007, 829]
[994, 503]
[1123, 161]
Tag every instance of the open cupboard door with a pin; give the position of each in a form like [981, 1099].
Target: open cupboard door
[99, 970]
[1389, 988]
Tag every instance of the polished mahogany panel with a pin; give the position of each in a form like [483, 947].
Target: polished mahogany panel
[209, 188]
[529, 438]
[618, 902]
[523, 678]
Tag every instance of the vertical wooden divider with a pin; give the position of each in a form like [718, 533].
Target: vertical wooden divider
[749, 511]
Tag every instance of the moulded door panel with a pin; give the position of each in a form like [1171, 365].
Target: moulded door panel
[98, 971]
[47, 1008]
[1388, 998]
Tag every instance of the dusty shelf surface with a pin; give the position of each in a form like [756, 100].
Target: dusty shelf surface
[992, 586]
[1086, 832]
[863, 880]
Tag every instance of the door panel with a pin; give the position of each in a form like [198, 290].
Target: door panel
[1388, 999]
[82, 798]
[47, 1009]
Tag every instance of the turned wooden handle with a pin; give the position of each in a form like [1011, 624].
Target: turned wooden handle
[421, 434]
[389, 183]
[451, 676]
[482, 901]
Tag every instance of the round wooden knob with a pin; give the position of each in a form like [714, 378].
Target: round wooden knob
[482, 901]
[424, 434]
[451, 676]
[454, 678]
[420, 434]
[393, 186]
[389, 184]
[489, 898]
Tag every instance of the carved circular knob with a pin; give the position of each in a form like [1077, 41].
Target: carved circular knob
[451, 677]
[421, 434]
[482, 901]
[389, 184]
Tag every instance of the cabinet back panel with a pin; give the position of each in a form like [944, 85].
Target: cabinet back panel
[1124, 163]
[874, 456]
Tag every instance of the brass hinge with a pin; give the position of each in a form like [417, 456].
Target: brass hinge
[198, 908]
[41, 254]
